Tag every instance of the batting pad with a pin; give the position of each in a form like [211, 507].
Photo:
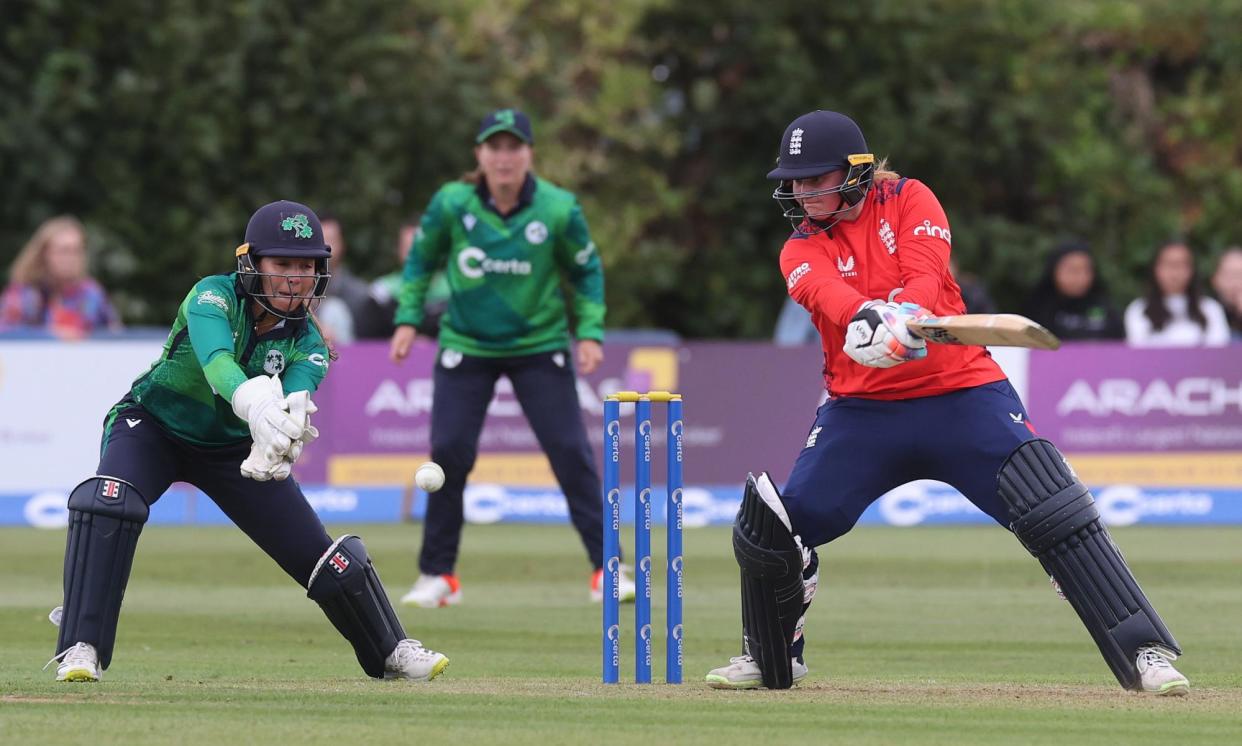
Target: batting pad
[1054, 516]
[771, 563]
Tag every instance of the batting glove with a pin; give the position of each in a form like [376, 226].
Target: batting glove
[877, 336]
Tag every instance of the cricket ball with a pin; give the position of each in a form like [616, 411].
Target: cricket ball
[429, 477]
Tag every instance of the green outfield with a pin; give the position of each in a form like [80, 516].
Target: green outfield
[930, 635]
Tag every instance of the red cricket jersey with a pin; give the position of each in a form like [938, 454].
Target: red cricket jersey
[900, 240]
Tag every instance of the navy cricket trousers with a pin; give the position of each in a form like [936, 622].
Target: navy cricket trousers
[545, 387]
[858, 449]
[275, 515]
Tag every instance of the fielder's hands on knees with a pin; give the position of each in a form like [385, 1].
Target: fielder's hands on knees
[877, 336]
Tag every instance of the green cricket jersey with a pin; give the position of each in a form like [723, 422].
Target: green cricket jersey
[504, 272]
[211, 350]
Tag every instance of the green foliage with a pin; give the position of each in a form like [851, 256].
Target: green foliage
[165, 124]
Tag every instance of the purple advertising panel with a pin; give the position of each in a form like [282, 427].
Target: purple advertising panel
[1097, 398]
[1157, 418]
[747, 407]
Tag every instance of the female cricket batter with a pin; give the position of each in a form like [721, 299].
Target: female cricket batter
[507, 238]
[226, 408]
[870, 250]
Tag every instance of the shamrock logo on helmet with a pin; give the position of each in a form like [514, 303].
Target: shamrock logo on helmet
[299, 224]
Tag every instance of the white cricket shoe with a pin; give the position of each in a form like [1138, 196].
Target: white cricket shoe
[743, 673]
[625, 585]
[78, 663]
[1157, 674]
[410, 660]
[434, 591]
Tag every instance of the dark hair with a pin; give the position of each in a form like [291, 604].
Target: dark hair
[1157, 311]
[1047, 286]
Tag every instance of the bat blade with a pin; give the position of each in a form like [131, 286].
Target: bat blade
[987, 329]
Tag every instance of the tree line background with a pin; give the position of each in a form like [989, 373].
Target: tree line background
[164, 123]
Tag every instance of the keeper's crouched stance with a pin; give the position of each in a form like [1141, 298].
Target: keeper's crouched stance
[227, 408]
[869, 252]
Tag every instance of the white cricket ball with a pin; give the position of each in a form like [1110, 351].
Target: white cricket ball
[429, 477]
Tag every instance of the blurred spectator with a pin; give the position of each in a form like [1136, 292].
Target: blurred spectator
[794, 326]
[1227, 282]
[345, 311]
[1173, 311]
[49, 287]
[1071, 299]
[974, 293]
[335, 321]
[384, 293]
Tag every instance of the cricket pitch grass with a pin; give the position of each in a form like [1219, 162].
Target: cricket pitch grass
[926, 636]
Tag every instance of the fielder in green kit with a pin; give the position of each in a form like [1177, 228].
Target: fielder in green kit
[506, 239]
[227, 407]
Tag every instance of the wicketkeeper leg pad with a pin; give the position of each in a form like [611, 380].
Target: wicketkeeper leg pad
[771, 561]
[345, 585]
[1054, 516]
[106, 515]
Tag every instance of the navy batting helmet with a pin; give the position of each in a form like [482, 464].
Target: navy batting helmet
[815, 144]
[283, 229]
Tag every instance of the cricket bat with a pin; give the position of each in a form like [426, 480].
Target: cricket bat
[988, 329]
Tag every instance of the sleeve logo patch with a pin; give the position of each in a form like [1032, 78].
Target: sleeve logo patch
[317, 358]
[584, 256]
[927, 229]
[799, 272]
[213, 298]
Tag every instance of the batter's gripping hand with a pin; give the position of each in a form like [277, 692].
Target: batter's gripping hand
[877, 336]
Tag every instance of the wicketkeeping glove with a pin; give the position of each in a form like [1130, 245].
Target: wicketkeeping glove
[301, 408]
[877, 336]
[260, 401]
[259, 467]
[263, 464]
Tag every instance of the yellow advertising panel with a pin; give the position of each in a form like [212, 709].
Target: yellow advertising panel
[1200, 469]
[511, 469]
